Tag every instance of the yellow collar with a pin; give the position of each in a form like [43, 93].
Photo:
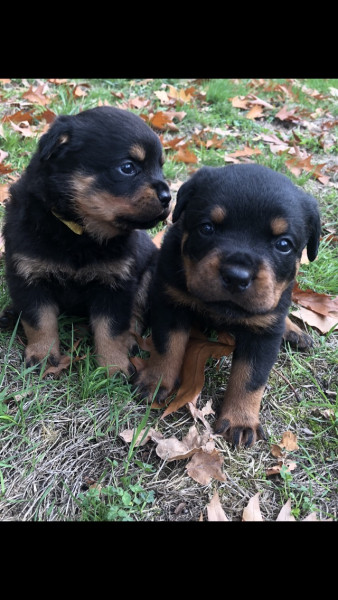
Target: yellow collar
[75, 227]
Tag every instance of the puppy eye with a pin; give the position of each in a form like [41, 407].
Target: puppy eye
[283, 245]
[206, 229]
[127, 168]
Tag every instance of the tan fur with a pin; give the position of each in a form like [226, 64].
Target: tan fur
[111, 352]
[204, 281]
[106, 272]
[137, 152]
[279, 225]
[218, 214]
[43, 340]
[99, 211]
[241, 407]
[166, 366]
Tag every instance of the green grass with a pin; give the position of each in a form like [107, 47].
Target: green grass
[62, 455]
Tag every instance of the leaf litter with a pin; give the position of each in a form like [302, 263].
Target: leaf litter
[281, 143]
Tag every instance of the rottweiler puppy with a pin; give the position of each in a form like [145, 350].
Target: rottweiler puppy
[73, 231]
[229, 262]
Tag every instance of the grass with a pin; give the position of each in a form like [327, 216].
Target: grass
[62, 457]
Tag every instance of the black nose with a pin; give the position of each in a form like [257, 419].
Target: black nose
[164, 197]
[163, 193]
[236, 278]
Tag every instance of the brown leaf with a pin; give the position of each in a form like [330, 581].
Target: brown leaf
[23, 128]
[276, 450]
[18, 117]
[64, 363]
[239, 102]
[37, 96]
[289, 441]
[285, 513]
[199, 414]
[185, 155]
[297, 164]
[247, 151]
[192, 374]
[206, 465]
[276, 469]
[287, 115]
[181, 95]
[255, 112]
[4, 187]
[160, 120]
[323, 324]
[321, 304]
[215, 510]
[252, 511]
[128, 434]
[172, 449]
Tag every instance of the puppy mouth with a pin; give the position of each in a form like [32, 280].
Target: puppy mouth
[231, 307]
[142, 223]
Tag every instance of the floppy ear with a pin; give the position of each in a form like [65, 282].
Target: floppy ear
[56, 141]
[313, 225]
[181, 200]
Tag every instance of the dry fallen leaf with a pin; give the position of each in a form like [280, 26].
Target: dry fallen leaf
[323, 324]
[215, 510]
[285, 513]
[200, 414]
[192, 374]
[206, 465]
[322, 304]
[255, 112]
[252, 511]
[128, 434]
[185, 155]
[64, 363]
[289, 441]
[173, 449]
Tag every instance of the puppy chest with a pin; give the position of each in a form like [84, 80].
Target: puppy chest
[111, 273]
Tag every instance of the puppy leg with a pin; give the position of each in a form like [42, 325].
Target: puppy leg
[253, 359]
[111, 317]
[112, 348]
[170, 335]
[295, 336]
[42, 337]
[164, 367]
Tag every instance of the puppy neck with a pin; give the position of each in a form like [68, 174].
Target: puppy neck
[75, 227]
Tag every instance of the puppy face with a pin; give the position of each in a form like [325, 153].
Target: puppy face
[103, 169]
[244, 229]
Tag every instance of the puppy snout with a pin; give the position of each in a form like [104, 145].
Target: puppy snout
[163, 193]
[236, 278]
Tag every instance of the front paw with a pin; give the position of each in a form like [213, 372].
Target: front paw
[239, 434]
[152, 386]
[296, 336]
[33, 356]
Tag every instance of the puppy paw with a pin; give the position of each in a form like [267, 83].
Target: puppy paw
[299, 339]
[8, 318]
[296, 336]
[146, 382]
[238, 434]
[34, 357]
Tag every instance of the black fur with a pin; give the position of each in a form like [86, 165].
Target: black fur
[229, 263]
[100, 173]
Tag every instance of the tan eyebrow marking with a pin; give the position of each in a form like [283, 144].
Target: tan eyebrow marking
[137, 152]
[218, 214]
[279, 225]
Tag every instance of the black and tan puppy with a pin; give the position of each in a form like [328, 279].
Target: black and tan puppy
[72, 230]
[229, 262]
